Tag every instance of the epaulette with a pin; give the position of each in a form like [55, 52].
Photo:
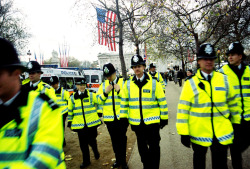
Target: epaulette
[189, 77]
[50, 101]
[155, 78]
[47, 86]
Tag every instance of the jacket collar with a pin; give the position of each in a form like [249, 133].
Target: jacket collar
[85, 95]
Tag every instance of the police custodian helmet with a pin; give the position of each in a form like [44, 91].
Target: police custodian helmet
[81, 80]
[236, 48]
[108, 69]
[9, 56]
[206, 51]
[54, 80]
[137, 60]
[34, 67]
[152, 65]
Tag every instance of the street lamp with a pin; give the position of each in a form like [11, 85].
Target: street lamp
[218, 54]
[29, 54]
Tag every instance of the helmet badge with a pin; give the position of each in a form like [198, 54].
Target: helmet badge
[135, 59]
[106, 70]
[208, 49]
[51, 79]
[29, 65]
[231, 46]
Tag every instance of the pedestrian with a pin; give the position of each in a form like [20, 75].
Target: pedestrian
[166, 78]
[240, 75]
[31, 133]
[109, 96]
[157, 75]
[83, 119]
[207, 104]
[144, 104]
[36, 84]
[62, 97]
[189, 74]
[180, 76]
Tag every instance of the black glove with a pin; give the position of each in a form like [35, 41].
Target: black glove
[99, 114]
[163, 123]
[185, 140]
[69, 124]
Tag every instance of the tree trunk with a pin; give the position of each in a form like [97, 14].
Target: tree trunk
[120, 28]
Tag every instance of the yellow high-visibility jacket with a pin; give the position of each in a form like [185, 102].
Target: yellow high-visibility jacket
[35, 141]
[83, 112]
[107, 102]
[150, 100]
[242, 87]
[159, 78]
[43, 87]
[204, 109]
[62, 100]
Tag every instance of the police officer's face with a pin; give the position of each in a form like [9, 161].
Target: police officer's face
[138, 70]
[55, 86]
[112, 77]
[9, 84]
[152, 69]
[206, 65]
[189, 73]
[234, 59]
[82, 87]
[34, 76]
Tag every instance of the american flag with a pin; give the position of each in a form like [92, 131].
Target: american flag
[106, 28]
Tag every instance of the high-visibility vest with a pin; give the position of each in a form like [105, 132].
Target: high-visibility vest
[37, 141]
[62, 100]
[83, 110]
[159, 78]
[107, 102]
[152, 101]
[204, 110]
[242, 87]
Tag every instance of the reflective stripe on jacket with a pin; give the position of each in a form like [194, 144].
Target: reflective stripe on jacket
[107, 102]
[153, 102]
[160, 79]
[79, 109]
[242, 87]
[199, 118]
[37, 141]
[62, 100]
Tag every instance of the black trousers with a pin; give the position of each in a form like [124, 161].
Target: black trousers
[218, 152]
[87, 136]
[240, 144]
[64, 119]
[117, 131]
[148, 140]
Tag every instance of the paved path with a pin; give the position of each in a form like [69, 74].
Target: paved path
[173, 154]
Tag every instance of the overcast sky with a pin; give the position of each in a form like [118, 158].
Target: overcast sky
[54, 22]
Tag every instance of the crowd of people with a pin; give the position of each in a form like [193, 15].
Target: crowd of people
[213, 111]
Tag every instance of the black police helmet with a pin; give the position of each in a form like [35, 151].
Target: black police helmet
[137, 60]
[236, 48]
[8, 55]
[108, 69]
[54, 80]
[206, 51]
[81, 81]
[152, 65]
[34, 67]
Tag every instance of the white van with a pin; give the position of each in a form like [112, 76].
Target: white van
[66, 77]
[94, 78]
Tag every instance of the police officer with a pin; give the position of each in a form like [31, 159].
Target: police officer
[109, 95]
[31, 133]
[83, 119]
[62, 97]
[240, 75]
[206, 104]
[153, 73]
[34, 70]
[144, 104]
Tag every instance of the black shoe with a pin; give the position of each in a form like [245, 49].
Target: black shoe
[84, 165]
[116, 165]
[97, 155]
[125, 166]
